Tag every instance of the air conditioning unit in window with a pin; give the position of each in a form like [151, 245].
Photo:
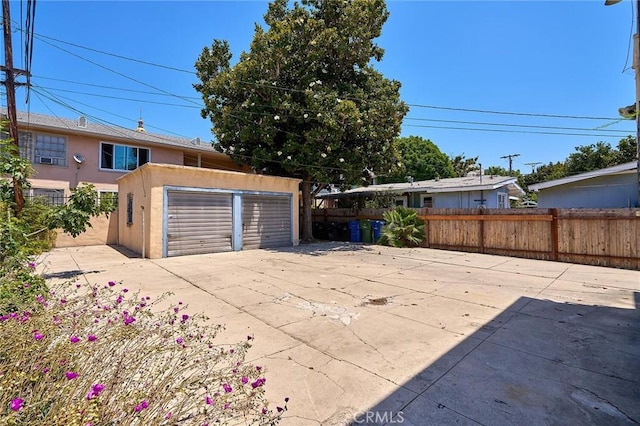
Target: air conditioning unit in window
[46, 160]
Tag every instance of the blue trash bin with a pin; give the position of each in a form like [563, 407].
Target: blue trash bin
[354, 231]
[376, 227]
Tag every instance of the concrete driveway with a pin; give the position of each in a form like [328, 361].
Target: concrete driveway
[374, 335]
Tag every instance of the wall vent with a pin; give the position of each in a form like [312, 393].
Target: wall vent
[82, 122]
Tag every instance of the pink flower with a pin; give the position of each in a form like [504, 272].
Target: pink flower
[111, 283]
[185, 317]
[92, 338]
[143, 405]
[95, 391]
[32, 265]
[280, 409]
[74, 339]
[71, 375]
[37, 335]
[264, 410]
[226, 405]
[258, 383]
[16, 404]
[227, 388]
[208, 400]
[179, 340]
[128, 319]
[124, 290]
[26, 285]
[168, 416]
[245, 379]
[258, 368]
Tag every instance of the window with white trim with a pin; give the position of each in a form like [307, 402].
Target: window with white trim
[502, 200]
[122, 157]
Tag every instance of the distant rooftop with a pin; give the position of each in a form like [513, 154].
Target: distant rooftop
[614, 170]
[467, 183]
[82, 125]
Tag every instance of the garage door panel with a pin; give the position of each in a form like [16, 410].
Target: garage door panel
[198, 223]
[266, 221]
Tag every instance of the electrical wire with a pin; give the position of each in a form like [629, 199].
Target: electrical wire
[120, 74]
[515, 125]
[528, 114]
[115, 55]
[509, 131]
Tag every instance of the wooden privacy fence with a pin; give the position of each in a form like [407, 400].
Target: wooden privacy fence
[604, 237]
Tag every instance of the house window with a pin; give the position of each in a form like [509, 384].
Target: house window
[50, 150]
[42, 148]
[502, 200]
[427, 202]
[400, 202]
[122, 157]
[54, 197]
[129, 209]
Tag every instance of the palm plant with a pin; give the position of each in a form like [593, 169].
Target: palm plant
[403, 228]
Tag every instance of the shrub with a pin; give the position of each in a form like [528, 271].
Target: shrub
[403, 228]
[98, 355]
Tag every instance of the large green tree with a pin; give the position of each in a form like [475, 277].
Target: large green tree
[305, 101]
[421, 159]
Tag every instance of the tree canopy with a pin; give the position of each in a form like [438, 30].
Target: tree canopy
[305, 101]
[421, 159]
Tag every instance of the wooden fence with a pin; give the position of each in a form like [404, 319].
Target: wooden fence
[604, 237]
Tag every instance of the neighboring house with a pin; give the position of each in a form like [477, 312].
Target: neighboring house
[613, 187]
[471, 191]
[66, 153]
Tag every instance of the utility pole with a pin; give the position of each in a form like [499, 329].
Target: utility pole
[533, 165]
[636, 67]
[510, 157]
[10, 84]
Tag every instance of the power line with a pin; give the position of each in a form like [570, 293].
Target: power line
[510, 131]
[512, 125]
[119, 73]
[115, 55]
[528, 114]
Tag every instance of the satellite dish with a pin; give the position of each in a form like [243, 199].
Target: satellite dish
[78, 158]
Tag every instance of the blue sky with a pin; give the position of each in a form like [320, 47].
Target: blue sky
[541, 58]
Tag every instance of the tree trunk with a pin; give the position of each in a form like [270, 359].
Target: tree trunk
[306, 225]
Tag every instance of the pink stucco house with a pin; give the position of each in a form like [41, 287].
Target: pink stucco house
[68, 152]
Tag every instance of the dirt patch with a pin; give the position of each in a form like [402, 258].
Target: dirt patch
[376, 302]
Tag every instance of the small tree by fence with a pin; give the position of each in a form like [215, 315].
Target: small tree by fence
[603, 237]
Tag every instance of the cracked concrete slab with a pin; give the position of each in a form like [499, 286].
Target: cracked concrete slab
[362, 334]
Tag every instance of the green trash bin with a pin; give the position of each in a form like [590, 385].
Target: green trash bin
[366, 233]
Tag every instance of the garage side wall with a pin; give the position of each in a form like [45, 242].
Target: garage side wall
[147, 185]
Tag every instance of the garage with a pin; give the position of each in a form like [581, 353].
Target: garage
[181, 210]
[266, 221]
[198, 222]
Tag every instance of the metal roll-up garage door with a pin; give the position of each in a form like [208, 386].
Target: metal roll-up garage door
[266, 221]
[198, 222]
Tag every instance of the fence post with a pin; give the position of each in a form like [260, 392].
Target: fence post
[554, 234]
[481, 231]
